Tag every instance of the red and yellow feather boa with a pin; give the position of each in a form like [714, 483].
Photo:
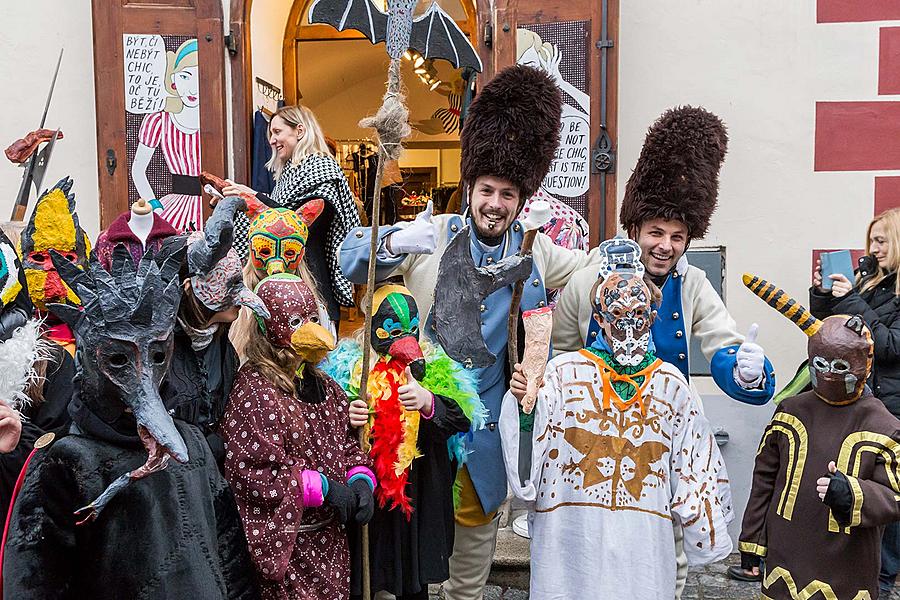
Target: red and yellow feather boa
[391, 434]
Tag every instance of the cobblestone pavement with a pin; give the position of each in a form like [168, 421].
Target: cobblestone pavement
[709, 583]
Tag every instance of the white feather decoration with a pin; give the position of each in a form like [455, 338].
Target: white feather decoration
[18, 356]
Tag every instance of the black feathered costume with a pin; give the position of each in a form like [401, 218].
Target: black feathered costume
[166, 530]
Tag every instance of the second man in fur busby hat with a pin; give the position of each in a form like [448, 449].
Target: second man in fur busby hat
[508, 142]
[669, 201]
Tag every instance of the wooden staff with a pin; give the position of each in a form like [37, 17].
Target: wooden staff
[384, 154]
[539, 215]
[367, 349]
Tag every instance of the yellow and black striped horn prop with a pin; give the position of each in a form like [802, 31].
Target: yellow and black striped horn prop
[778, 299]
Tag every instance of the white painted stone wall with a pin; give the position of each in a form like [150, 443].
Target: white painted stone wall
[32, 34]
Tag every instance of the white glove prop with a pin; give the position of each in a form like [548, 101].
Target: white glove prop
[751, 359]
[419, 237]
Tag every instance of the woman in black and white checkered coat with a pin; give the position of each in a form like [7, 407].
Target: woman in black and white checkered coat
[304, 168]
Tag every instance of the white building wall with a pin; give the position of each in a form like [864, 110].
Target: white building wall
[761, 65]
[32, 35]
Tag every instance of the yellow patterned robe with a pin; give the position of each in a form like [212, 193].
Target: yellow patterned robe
[609, 477]
[810, 552]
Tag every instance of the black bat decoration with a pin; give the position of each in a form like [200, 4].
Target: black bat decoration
[433, 35]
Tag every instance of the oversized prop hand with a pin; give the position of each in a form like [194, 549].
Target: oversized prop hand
[359, 413]
[750, 361]
[414, 397]
[419, 237]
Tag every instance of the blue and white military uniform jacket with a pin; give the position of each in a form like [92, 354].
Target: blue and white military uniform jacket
[690, 307]
[553, 266]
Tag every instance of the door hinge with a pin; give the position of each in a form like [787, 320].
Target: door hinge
[489, 35]
[111, 162]
[231, 43]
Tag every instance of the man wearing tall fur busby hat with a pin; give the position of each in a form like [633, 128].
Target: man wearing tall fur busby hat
[668, 203]
[510, 136]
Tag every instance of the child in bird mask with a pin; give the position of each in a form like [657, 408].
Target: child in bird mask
[293, 460]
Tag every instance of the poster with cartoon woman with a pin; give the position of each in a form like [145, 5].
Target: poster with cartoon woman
[566, 184]
[165, 97]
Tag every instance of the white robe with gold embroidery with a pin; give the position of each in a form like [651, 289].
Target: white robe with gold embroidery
[606, 484]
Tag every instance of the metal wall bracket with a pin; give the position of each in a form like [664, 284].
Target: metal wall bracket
[231, 44]
[488, 35]
[603, 155]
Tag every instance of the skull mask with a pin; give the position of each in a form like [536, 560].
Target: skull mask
[840, 359]
[621, 303]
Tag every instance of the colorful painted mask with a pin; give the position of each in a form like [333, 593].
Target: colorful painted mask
[621, 304]
[11, 276]
[53, 226]
[294, 317]
[278, 237]
[395, 327]
[840, 359]
[840, 348]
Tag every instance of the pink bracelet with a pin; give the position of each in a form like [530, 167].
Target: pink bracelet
[361, 471]
[430, 414]
[312, 488]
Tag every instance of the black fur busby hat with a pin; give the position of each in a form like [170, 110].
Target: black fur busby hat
[677, 174]
[511, 130]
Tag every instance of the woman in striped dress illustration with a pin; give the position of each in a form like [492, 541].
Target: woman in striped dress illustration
[176, 132]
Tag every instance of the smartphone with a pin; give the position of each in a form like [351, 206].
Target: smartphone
[836, 263]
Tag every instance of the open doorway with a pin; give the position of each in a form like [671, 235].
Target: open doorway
[340, 76]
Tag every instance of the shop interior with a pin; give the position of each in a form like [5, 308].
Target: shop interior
[341, 76]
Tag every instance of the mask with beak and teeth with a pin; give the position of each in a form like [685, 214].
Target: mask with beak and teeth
[621, 303]
[395, 328]
[124, 336]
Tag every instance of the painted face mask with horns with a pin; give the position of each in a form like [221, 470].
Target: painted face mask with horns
[840, 347]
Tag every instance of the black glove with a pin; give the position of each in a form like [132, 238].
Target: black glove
[365, 501]
[342, 499]
[839, 498]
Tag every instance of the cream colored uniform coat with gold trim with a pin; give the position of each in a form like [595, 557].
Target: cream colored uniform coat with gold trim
[606, 484]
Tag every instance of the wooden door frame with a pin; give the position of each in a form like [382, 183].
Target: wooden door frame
[200, 18]
[496, 53]
[504, 21]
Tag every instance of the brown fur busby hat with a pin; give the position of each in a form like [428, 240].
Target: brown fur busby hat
[677, 174]
[511, 130]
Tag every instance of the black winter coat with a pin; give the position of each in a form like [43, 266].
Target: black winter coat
[880, 308]
[198, 384]
[51, 415]
[173, 534]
